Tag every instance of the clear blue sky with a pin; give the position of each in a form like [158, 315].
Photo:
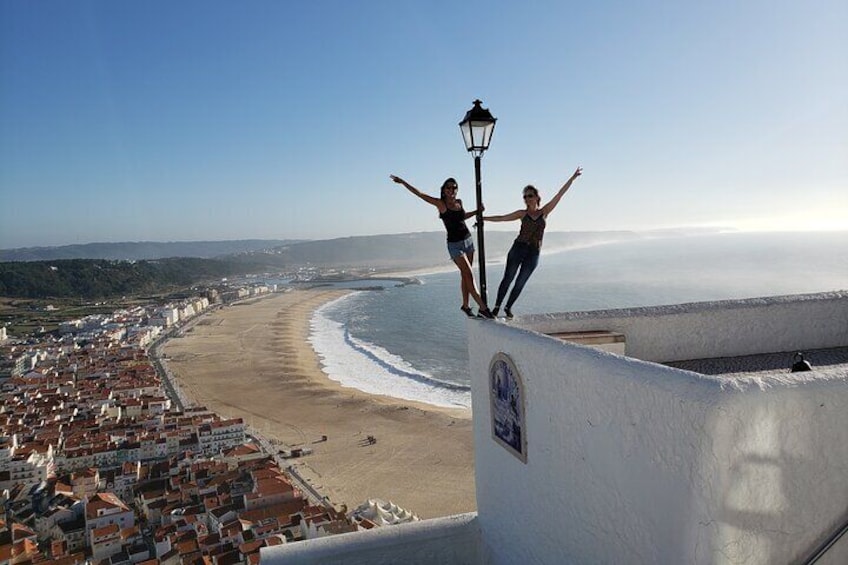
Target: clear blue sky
[166, 121]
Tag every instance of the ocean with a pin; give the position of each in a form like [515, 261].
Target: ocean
[409, 341]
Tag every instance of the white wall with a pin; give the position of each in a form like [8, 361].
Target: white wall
[450, 540]
[715, 329]
[631, 462]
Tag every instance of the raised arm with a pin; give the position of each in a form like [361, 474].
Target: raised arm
[425, 197]
[552, 203]
[505, 217]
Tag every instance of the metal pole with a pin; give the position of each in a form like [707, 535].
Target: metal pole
[480, 241]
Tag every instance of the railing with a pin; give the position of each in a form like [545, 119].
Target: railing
[827, 544]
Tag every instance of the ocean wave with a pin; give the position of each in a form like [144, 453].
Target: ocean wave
[390, 362]
[356, 363]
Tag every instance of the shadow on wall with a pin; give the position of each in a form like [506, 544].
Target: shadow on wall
[780, 482]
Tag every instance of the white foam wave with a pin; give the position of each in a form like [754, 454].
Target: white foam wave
[372, 369]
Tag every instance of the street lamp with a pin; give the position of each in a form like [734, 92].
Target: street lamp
[477, 128]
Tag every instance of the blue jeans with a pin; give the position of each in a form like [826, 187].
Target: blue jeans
[522, 260]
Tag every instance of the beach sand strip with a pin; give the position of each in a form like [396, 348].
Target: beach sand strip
[252, 360]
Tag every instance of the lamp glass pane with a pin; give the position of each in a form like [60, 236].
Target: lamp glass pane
[465, 127]
[480, 134]
[487, 134]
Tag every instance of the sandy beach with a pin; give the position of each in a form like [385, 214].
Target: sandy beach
[252, 360]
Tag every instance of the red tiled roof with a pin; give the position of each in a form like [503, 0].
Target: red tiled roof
[111, 529]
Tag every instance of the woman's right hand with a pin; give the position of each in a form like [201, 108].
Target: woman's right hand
[397, 179]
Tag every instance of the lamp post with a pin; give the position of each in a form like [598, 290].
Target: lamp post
[477, 128]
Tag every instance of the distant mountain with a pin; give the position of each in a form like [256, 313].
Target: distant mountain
[413, 250]
[387, 250]
[140, 250]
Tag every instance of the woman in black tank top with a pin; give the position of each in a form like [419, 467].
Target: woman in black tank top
[523, 256]
[460, 242]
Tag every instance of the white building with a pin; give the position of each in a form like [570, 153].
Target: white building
[143, 336]
[697, 446]
[106, 509]
[168, 314]
[44, 523]
[200, 304]
[220, 435]
[25, 468]
[104, 542]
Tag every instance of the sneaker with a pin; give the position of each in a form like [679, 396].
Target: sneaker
[495, 311]
[485, 313]
[467, 311]
[508, 313]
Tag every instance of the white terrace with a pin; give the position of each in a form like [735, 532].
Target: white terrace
[693, 443]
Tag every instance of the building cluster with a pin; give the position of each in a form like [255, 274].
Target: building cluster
[99, 465]
[232, 293]
[137, 327]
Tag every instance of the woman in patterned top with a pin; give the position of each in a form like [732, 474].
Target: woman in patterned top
[460, 242]
[523, 256]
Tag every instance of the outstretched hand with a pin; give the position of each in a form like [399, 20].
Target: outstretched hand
[397, 179]
[577, 173]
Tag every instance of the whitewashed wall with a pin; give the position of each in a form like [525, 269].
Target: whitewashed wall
[449, 540]
[715, 329]
[631, 462]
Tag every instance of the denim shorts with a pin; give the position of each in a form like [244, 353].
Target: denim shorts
[459, 248]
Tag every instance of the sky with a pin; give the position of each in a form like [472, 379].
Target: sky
[212, 120]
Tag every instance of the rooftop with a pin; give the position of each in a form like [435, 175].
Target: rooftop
[828, 362]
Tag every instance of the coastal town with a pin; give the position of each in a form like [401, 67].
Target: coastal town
[103, 459]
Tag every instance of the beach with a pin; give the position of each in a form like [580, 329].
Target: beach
[252, 360]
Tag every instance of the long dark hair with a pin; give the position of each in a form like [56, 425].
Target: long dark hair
[532, 188]
[449, 180]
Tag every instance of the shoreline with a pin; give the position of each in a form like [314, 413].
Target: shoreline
[254, 361]
[344, 362]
